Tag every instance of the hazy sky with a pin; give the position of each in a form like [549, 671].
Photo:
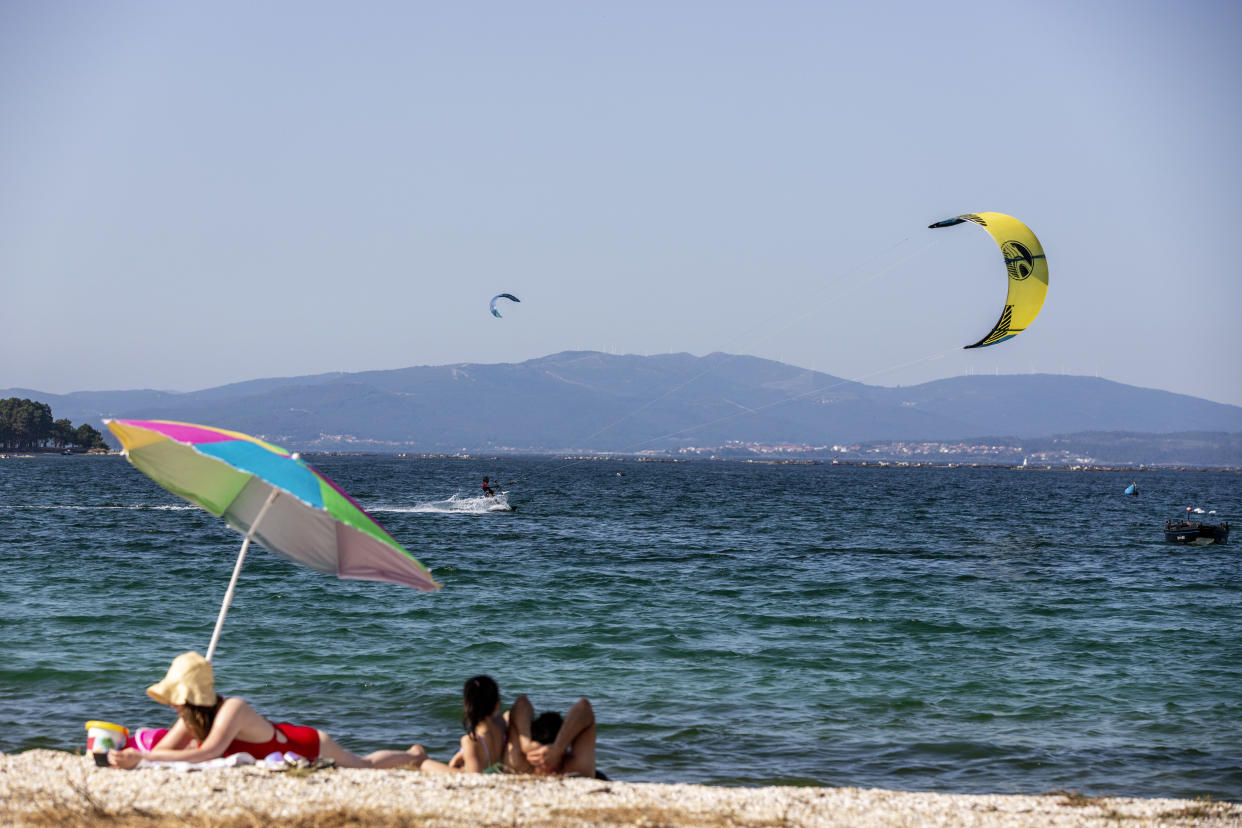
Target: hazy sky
[195, 194]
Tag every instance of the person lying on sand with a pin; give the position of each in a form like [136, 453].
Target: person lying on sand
[209, 726]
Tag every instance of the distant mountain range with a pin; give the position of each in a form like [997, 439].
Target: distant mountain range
[589, 401]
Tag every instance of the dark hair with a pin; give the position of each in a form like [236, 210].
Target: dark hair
[545, 727]
[479, 699]
[199, 718]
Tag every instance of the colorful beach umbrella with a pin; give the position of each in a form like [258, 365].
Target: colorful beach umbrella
[270, 496]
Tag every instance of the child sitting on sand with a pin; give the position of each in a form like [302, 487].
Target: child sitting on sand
[209, 726]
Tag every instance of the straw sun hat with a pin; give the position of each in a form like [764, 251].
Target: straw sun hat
[189, 681]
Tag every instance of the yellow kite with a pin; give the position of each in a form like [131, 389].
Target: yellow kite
[1028, 272]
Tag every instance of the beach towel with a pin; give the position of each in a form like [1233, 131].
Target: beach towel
[233, 761]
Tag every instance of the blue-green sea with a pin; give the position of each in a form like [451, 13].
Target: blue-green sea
[947, 629]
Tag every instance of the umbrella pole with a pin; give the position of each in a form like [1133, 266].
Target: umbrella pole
[241, 557]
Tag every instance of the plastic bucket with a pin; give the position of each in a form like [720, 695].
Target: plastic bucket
[102, 737]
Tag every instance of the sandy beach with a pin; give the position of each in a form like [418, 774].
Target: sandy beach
[45, 787]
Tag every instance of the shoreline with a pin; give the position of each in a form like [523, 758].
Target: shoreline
[889, 463]
[46, 787]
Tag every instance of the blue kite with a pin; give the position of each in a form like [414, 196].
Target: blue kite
[492, 306]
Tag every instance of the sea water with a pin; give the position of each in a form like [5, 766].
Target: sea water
[947, 629]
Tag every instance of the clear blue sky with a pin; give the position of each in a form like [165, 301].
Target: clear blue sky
[195, 194]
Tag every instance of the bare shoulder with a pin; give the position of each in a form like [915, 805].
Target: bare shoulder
[239, 709]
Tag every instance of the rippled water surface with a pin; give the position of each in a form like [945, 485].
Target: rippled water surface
[965, 630]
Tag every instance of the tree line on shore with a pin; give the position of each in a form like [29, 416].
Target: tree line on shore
[26, 425]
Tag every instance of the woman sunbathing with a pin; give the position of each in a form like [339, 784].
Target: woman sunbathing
[209, 726]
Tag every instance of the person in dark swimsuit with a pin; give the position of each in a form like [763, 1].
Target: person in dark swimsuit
[209, 726]
[488, 489]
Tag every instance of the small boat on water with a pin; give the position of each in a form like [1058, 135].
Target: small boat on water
[1194, 532]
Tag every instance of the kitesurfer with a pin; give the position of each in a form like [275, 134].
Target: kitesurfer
[488, 489]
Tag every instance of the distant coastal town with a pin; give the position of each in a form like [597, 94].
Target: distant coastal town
[28, 427]
[1085, 450]
[882, 455]
[922, 451]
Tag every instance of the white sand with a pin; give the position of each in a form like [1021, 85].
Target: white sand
[49, 787]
